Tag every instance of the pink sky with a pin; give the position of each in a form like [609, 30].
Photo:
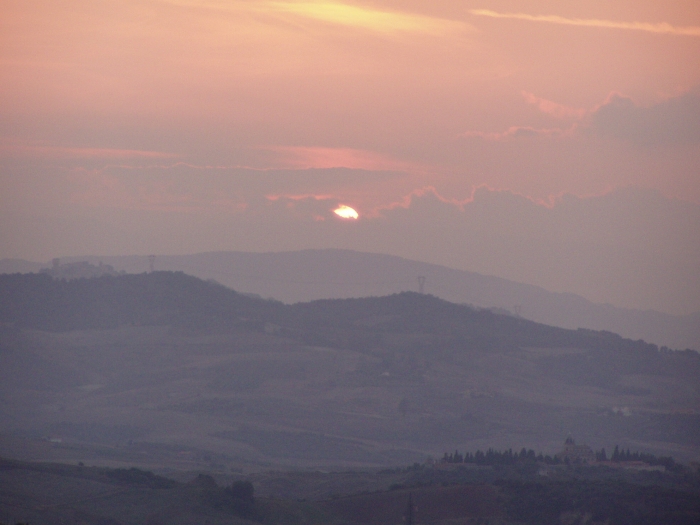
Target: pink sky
[213, 107]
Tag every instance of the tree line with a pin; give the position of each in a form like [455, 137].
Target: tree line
[496, 457]
[508, 457]
[621, 455]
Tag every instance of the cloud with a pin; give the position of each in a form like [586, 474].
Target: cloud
[12, 148]
[673, 121]
[553, 108]
[225, 190]
[662, 28]
[338, 13]
[301, 157]
[301, 197]
[102, 189]
[514, 133]
[366, 18]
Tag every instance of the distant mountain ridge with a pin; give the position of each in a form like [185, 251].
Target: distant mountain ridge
[325, 274]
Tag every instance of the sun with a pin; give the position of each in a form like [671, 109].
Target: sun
[346, 212]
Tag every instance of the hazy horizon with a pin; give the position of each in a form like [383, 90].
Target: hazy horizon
[626, 250]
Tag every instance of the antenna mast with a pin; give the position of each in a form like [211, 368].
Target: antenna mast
[421, 284]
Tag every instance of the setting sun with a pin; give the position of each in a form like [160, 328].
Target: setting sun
[346, 212]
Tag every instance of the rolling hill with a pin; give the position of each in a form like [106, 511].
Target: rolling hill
[166, 370]
[334, 274]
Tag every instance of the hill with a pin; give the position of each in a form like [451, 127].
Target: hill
[166, 370]
[329, 274]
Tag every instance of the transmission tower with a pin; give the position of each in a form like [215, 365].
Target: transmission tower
[421, 283]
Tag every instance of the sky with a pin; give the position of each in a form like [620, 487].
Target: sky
[553, 143]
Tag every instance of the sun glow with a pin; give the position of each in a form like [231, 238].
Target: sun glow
[346, 212]
[366, 18]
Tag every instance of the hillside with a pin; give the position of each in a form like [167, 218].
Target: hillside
[161, 298]
[49, 493]
[166, 370]
[334, 274]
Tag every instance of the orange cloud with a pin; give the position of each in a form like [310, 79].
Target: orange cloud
[663, 27]
[361, 17]
[385, 22]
